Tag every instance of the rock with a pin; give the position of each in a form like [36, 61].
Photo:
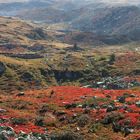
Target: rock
[107, 120]
[93, 105]
[7, 133]
[121, 99]
[83, 97]
[39, 121]
[63, 118]
[2, 68]
[2, 110]
[44, 109]
[84, 106]
[68, 106]
[3, 135]
[138, 104]
[66, 135]
[31, 137]
[3, 121]
[80, 106]
[125, 107]
[111, 108]
[74, 115]
[116, 101]
[116, 127]
[94, 97]
[128, 131]
[104, 106]
[112, 117]
[132, 95]
[87, 110]
[10, 131]
[22, 134]
[60, 113]
[20, 94]
[78, 129]
[27, 77]
[108, 96]
[83, 120]
[20, 138]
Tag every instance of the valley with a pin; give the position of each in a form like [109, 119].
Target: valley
[69, 70]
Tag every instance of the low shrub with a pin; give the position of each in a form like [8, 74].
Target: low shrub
[83, 120]
[67, 135]
[18, 121]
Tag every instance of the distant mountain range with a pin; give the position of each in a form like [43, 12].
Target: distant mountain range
[101, 18]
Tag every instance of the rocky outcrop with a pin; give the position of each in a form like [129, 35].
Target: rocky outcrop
[67, 75]
[2, 68]
[27, 77]
[7, 133]
[24, 56]
[36, 34]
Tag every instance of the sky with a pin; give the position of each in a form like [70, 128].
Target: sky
[107, 1]
[122, 1]
[4, 1]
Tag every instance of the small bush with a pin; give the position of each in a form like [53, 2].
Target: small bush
[18, 121]
[39, 121]
[112, 117]
[95, 127]
[112, 59]
[83, 120]
[67, 135]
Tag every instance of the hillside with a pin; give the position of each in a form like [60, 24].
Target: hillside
[56, 55]
[71, 112]
[98, 18]
[112, 20]
[69, 70]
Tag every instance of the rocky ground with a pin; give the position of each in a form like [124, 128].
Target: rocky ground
[70, 113]
[33, 58]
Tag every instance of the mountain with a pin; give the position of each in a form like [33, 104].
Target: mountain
[110, 23]
[109, 20]
[51, 51]
[12, 8]
[19, 33]
[59, 12]
[99, 18]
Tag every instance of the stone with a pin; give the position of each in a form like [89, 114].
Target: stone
[10, 131]
[3, 135]
[60, 113]
[68, 106]
[110, 108]
[132, 95]
[116, 127]
[121, 99]
[128, 131]
[20, 138]
[63, 118]
[20, 94]
[2, 110]
[80, 106]
[138, 104]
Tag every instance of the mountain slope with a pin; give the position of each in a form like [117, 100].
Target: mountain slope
[100, 17]
[110, 20]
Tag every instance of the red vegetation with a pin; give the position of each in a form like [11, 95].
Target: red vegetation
[62, 96]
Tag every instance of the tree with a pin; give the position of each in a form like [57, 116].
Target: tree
[75, 46]
[112, 59]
